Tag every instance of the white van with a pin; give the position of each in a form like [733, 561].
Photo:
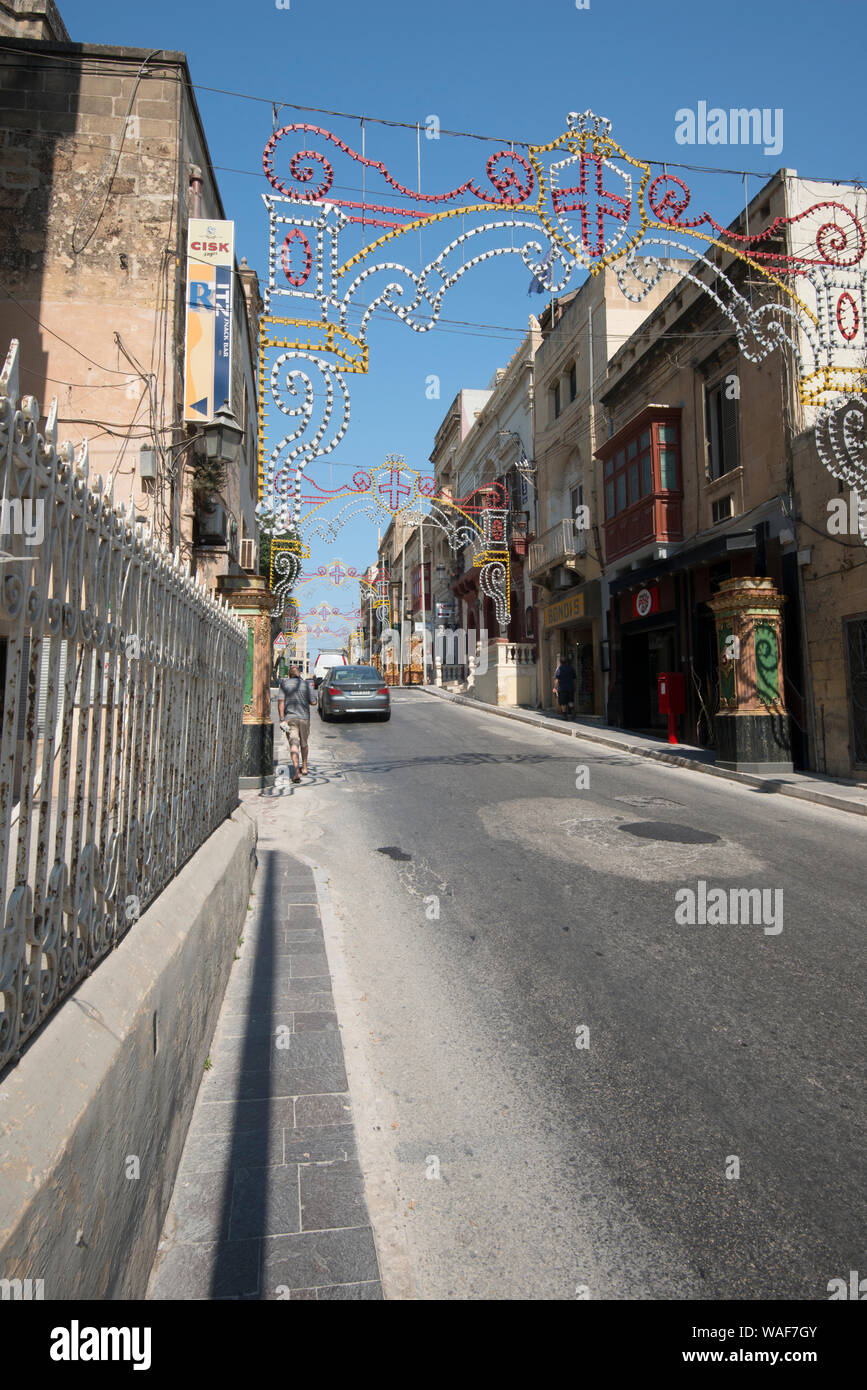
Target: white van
[324, 663]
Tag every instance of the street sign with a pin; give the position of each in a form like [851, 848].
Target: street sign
[280, 643]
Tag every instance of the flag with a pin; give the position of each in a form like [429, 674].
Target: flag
[538, 286]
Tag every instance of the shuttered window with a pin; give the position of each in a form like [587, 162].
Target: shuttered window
[722, 429]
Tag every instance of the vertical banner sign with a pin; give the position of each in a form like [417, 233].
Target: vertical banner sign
[210, 268]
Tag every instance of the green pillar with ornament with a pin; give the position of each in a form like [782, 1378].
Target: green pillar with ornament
[752, 726]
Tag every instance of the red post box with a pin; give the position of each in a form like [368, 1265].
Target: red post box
[672, 699]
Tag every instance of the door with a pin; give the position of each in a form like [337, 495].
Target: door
[660, 657]
[636, 702]
[856, 654]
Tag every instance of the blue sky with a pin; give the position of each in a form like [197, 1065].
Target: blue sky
[506, 69]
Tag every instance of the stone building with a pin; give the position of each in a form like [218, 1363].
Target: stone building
[709, 472]
[580, 332]
[482, 452]
[103, 165]
[103, 160]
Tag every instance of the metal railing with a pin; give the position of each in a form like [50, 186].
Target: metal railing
[560, 542]
[121, 716]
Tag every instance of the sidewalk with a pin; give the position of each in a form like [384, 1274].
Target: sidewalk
[823, 791]
[269, 1199]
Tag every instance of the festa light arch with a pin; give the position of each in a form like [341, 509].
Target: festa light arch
[577, 203]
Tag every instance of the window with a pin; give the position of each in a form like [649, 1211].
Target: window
[722, 508]
[667, 435]
[721, 408]
[556, 399]
[647, 463]
[416, 585]
[573, 381]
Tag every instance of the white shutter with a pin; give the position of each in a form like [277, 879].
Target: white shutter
[44, 713]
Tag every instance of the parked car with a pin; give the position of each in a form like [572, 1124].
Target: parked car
[354, 690]
[323, 664]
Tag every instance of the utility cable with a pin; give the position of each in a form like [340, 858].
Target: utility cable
[76, 250]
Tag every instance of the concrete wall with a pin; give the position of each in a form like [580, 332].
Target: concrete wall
[113, 1077]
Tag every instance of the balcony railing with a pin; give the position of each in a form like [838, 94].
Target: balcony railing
[558, 544]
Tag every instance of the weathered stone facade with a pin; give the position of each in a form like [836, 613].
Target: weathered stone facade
[97, 149]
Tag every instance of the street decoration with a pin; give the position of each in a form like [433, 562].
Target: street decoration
[478, 521]
[380, 589]
[337, 572]
[578, 203]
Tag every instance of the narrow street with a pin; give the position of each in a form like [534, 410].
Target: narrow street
[504, 1158]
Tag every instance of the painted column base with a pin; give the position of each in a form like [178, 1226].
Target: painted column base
[257, 756]
[753, 743]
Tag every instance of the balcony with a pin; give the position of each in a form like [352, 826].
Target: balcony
[559, 545]
[656, 518]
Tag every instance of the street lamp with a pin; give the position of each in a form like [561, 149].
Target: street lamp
[222, 437]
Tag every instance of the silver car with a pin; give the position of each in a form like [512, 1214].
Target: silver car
[353, 690]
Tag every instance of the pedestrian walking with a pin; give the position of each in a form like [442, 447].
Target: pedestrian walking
[564, 686]
[293, 708]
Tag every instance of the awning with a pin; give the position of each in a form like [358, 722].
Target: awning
[690, 557]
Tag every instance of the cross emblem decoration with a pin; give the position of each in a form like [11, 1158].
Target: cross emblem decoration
[592, 201]
[393, 490]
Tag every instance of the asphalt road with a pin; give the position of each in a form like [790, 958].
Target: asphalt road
[595, 1171]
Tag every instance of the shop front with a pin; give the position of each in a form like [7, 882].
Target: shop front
[571, 626]
[648, 645]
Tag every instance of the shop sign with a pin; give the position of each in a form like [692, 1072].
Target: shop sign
[564, 611]
[210, 268]
[646, 601]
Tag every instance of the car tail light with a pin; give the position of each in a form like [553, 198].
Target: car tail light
[334, 690]
[383, 690]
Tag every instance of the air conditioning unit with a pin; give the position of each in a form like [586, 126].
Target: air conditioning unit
[562, 578]
[248, 556]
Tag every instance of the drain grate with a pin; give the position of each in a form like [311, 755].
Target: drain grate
[674, 834]
[393, 852]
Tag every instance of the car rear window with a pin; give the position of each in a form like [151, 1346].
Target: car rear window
[355, 675]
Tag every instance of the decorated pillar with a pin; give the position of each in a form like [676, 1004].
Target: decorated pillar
[752, 726]
[252, 601]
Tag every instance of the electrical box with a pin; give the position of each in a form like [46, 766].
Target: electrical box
[672, 692]
[211, 526]
[147, 464]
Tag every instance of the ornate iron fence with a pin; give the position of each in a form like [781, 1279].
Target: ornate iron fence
[121, 716]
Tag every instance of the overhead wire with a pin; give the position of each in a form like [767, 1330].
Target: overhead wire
[121, 68]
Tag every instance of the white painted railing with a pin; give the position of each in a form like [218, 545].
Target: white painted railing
[121, 718]
[560, 542]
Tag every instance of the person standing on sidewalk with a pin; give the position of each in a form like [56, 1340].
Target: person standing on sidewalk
[293, 708]
[564, 686]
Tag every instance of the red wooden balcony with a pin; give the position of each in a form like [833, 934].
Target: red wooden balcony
[657, 517]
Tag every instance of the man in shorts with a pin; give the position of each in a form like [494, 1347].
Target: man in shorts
[293, 708]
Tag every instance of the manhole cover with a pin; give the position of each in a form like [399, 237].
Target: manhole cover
[393, 852]
[664, 830]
